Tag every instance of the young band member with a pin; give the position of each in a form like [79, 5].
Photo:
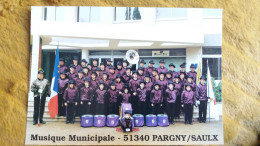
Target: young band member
[142, 93]
[192, 72]
[179, 88]
[86, 97]
[71, 98]
[188, 99]
[113, 107]
[171, 97]
[62, 84]
[201, 95]
[72, 73]
[125, 96]
[161, 68]
[156, 99]
[101, 99]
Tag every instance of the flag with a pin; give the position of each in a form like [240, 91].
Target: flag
[213, 111]
[198, 72]
[53, 102]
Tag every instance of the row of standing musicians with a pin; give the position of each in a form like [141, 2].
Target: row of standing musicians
[102, 89]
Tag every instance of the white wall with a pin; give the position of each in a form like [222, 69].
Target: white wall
[193, 55]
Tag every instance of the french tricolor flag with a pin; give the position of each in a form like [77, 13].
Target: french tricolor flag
[53, 102]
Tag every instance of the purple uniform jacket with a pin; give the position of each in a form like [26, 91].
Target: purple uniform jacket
[188, 97]
[113, 94]
[99, 78]
[183, 82]
[141, 93]
[71, 95]
[77, 68]
[121, 71]
[141, 77]
[63, 84]
[178, 87]
[193, 74]
[71, 76]
[168, 80]
[163, 84]
[86, 94]
[63, 68]
[94, 68]
[101, 96]
[127, 78]
[79, 82]
[149, 86]
[102, 72]
[201, 92]
[174, 73]
[156, 96]
[164, 69]
[171, 95]
[119, 86]
[179, 73]
[133, 85]
[87, 75]
[149, 70]
[112, 77]
[94, 84]
[125, 97]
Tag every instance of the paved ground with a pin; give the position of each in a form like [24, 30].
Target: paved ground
[155, 135]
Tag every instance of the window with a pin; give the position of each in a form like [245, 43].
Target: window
[211, 51]
[212, 13]
[127, 13]
[214, 67]
[169, 13]
[101, 52]
[89, 14]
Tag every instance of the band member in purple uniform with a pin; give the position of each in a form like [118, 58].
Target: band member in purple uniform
[79, 80]
[171, 97]
[161, 68]
[142, 64]
[89, 68]
[150, 68]
[201, 95]
[148, 87]
[94, 81]
[120, 70]
[119, 83]
[182, 70]
[155, 75]
[94, 64]
[179, 88]
[62, 84]
[112, 73]
[108, 65]
[72, 73]
[113, 107]
[133, 85]
[171, 69]
[75, 62]
[142, 93]
[106, 80]
[192, 72]
[101, 99]
[86, 72]
[163, 86]
[127, 76]
[102, 68]
[125, 96]
[182, 78]
[156, 98]
[83, 63]
[99, 77]
[86, 97]
[62, 66]
[189, 80]
[141, 74]
[71, 98]
[125, 64]
[188, 99]
[168, 76]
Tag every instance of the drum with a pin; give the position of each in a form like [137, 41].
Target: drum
[138, 120]
[112, 120]
[125, 107]
[162, 120]
[86, 120]
[99, 120]
[151, 120]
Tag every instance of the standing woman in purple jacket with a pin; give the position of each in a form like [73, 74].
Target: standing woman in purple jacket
[171, 97]
[142, 93]
[101, 99]
[62, 84]
[113, 93]
[188, 99]
[201, 95]
[156, 99]
[71, 97]
[179, 88]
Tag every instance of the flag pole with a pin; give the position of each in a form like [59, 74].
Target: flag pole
[208, 88]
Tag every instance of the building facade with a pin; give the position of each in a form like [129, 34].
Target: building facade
[176, 35]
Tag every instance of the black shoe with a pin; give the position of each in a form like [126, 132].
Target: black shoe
[72, 122]
[204, 121]
[34, 122]
[67, 122]
[191, 123]
[199, 121]
[185, 123]
[42, 122]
